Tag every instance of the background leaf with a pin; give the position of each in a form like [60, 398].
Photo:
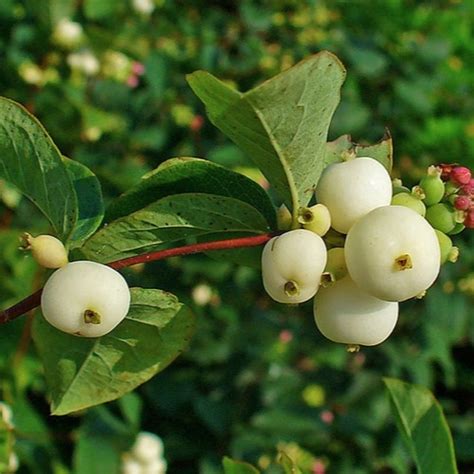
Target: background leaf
[238, 467]
[83, 372]
[89, 200]
[422, 424]
[172, 219]
[31, 161]
[192, 175]
[282, 124]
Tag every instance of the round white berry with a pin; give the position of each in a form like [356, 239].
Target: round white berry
[85, 298]
[292, 265]
[352, 189]
[148, 447]
[392, 253]
[344, 313]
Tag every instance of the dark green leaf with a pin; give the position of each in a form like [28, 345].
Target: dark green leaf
[83, 372]
[171, 219]
[192, 175]
[282, 124]
[89, 200]
[423, 426]
[31, 161]
[238, 467]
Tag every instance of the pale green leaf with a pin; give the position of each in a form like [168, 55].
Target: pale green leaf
[282, 124]
[83, 372]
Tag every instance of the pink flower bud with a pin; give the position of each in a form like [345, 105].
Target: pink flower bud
[286, 336]
[469, 220]
[460, 175]
[132, 81]
[196, 123]
[462, 203]
[446, 169]
[468, 188]
[138, 68]
[327, 417]
[318, 467]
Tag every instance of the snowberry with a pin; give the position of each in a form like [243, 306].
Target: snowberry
[130, 466]
[292, 265]
[442, 217]
[392, 253]
[148, 447]
[344, 313]
[85, 298]
[158, 466]
[433, 186]
[315, 218]
[352, 189]
[284, 218]
[411, 201]
[48, 251]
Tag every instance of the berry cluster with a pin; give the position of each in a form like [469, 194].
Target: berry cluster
[386, 245]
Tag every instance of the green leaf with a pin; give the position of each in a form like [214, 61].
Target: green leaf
[343, 148]
[171, 219]
[83, 372]
[192, 175]
[100, 432]
[238, 467]
[423, 426]
[98, 9]
[31, 161]
[289, 466]
[282, 124]
[89, 200]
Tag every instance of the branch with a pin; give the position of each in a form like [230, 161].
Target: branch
[34, 299]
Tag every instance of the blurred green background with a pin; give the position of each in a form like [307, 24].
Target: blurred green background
[107, 79]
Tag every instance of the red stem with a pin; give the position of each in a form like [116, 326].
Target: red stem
[34, 299]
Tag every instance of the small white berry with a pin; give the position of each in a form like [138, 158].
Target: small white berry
[48, 251]
[352, 189]
[392, 253]
[85, 299]
[292, 264]
[346, 314]
[148, 447]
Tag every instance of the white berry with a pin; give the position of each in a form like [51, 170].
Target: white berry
[346, 314]
[85, 299]
[131, 466]
[393, 253]
[148, 447]
[352, 189]
[292, 265]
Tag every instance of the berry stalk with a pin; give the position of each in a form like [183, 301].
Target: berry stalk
[32, 301]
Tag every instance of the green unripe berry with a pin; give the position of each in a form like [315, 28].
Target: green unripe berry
[397, 187]
[410, 201]
[445, 245]
[284, 219]
[433, 186]
[315, 218]
[48, 251]
[442, 217]
[336, 268]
